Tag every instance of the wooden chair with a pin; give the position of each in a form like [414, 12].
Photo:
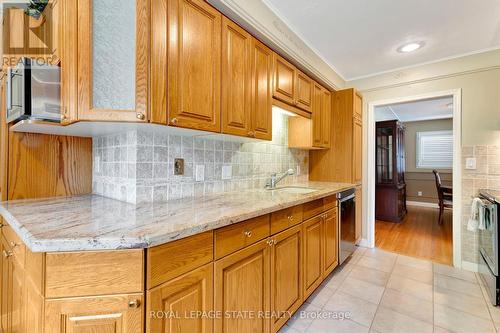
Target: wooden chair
[445, 195]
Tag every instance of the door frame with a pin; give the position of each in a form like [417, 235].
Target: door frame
[369, 173]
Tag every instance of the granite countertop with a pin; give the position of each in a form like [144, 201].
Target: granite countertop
[92, 222]
[495, 194]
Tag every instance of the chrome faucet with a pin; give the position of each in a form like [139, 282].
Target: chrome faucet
[275, 179]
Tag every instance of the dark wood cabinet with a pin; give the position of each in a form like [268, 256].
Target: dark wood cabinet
[390, 197]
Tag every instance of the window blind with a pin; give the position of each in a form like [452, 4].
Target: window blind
[435, 150]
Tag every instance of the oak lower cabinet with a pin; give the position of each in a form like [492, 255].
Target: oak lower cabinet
[359, 215]
[330, 243]
[286, 276]
[176, 306]
[242, 290]
[104, 314]
[312, 253]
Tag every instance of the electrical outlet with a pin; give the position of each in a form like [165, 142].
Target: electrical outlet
[200, 173]
[419, 193]
[97, 162]
[179, 166]
[470, 163]
[227, 171]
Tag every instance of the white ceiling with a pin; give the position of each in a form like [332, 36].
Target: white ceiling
[360, 37]
[430, 109]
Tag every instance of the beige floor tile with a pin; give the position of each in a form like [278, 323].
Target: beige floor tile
[336, 278]
[408, 305]
[336, 326]
[415, 262]
[387, 321]
[288, 329]
[458, 285]
[302, 319]
[438, 329]
[381, 264]
[362, 289]
[471, 304]
[413, 273]
[320, 296]
[459, 321]
[455, 272]
[370, 275]
[361, 311]
[410, 287]
[378, 253]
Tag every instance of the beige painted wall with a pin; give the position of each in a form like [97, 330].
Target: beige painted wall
[422, 180]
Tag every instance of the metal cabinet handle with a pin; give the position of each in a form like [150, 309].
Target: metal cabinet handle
[248, 233]
[13, 244]
[290, 217]
[134, 304]
[251, 134]
[140, 116]
[173, 121]
[7, 254]
[271, 242]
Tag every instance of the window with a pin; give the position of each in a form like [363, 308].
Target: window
[435, 150]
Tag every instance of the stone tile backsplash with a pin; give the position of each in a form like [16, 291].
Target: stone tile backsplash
[138, 166]
[485, 176]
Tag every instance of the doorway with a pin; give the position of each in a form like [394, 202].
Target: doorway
[413, 136]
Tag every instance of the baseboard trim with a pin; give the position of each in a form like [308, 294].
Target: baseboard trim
[422, 204]
[470, 266]
[364, 243]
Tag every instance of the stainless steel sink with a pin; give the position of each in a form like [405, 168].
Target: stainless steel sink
[296, 189]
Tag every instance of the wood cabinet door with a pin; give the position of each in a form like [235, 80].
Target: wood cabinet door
[330, 242]
[286, 275]
[6, 288]
[242, 286]
[358, 106]
[284, 80]
[326, 118]
[312, 254]
[262, 91]
[110, 314]
[357, 152]
[112, 63]
[194, 65]
[304, 97]
[316, 116]
[15, 305]
[359, 215]
[181, 297]
[236, 79]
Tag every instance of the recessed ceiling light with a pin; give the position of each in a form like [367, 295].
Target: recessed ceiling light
[410, 47]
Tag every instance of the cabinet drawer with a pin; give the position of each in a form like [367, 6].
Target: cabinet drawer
[330, 202]
[237, 236]
[168, 261]
[313, 208]
[15, 244]
[72, 274]
[285, 219]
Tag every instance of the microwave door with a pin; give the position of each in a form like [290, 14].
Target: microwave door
[15, 93]
[488, 238]
[46, 93]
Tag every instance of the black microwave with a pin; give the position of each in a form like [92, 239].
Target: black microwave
[33, 91]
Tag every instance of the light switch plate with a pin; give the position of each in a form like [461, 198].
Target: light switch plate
[200, 173]
[470, 163]
[179, 166]
[227, 171]
[419, 193]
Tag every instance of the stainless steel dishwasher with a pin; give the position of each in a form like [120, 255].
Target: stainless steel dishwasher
[347, 223]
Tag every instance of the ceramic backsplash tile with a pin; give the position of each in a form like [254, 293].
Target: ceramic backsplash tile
[137, 166]
[486, 175]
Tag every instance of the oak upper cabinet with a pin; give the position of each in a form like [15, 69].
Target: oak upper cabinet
[181, 296]
[304, 92]
[111, 57]
[286, 275]
[326, 118]
[357, 151]
[312, 255]
[113, 314]
[317, 115]
[262, 95]
[285, 75]
[237, 50]
[330, 242]
[194, 65]
[242, 283]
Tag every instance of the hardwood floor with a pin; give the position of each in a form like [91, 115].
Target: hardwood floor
[418, 235]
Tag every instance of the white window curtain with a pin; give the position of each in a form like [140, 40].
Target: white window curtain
[435, 150]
